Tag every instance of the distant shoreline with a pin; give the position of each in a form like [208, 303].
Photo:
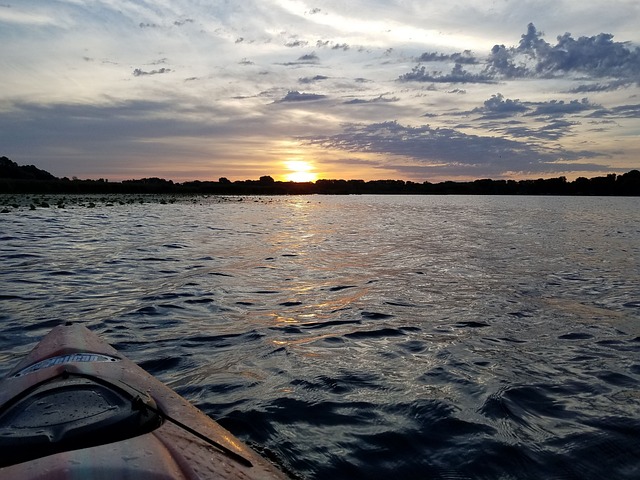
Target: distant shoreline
[623, 185]
[16, 179]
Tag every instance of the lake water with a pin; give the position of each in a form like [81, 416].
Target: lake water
[416, 337]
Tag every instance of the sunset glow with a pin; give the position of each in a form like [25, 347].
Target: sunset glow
[300, 171]
[415, 91]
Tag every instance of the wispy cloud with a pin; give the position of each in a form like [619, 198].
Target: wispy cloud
[295, 96]
[314, 79]
[378, 99]
[141, 73]
[457, 74]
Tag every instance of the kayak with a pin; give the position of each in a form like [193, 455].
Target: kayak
[77, 408]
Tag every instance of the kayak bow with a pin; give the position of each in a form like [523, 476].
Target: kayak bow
[76, 408]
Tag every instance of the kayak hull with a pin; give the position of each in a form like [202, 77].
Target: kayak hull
[168, 451]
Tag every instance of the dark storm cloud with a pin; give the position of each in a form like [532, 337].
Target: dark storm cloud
[456, 150]
[295, 96]
[141, 73]
[458, 74]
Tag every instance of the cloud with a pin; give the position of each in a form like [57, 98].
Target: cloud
[560, 107]
[176, 23]
[295, 96]
[554, 130]
[296, 43]
[621, 111]
[501, 64]
[332, 45]
[597, 56]
[308, 59]
[173, 137]
[349, 69]
[317, 78]
[450, 149]
[117, 119]
[457, 75]
[141, 73]
[499, 107]
[465, 57]
[180, 23]
[601, 87]
[378, 99]
[11, 15]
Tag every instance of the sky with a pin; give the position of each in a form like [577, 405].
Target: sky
[416, 90]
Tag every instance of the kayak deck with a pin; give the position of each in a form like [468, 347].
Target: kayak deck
[77, 408]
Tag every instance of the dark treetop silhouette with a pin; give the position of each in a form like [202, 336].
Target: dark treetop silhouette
[29, 179]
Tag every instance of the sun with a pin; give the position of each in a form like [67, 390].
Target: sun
[300, 171]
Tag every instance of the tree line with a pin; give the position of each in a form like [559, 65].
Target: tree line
[29, 179]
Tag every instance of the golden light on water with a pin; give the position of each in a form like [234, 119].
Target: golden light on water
[300, 171]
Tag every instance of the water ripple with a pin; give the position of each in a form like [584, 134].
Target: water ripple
[361, 336]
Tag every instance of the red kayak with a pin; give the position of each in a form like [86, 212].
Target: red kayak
[75, 408]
